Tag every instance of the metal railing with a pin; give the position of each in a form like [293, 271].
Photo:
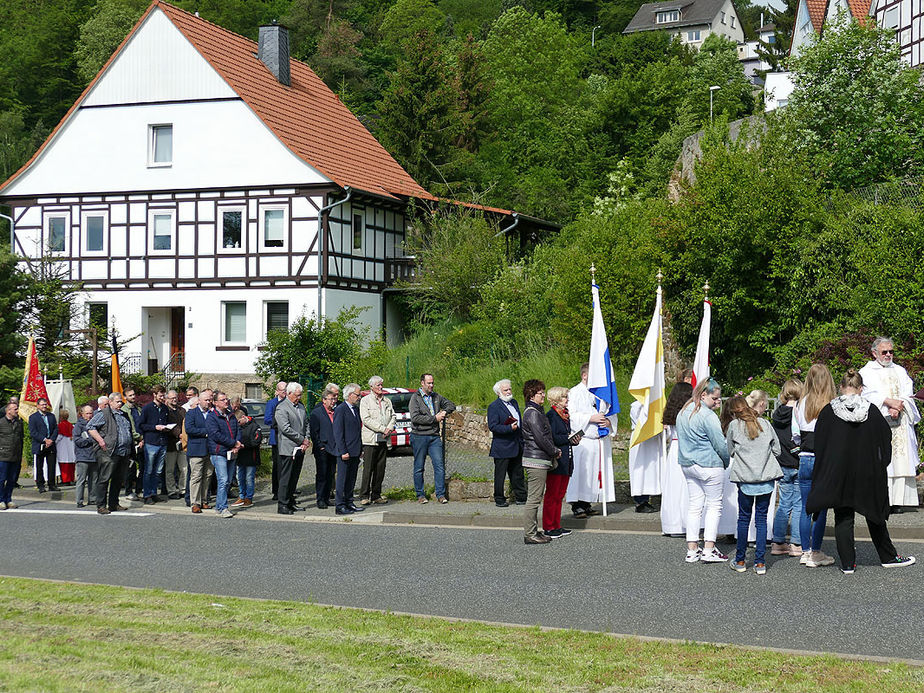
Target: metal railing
[400, 268]
[174, 368]
[908, 192]
[131, 363]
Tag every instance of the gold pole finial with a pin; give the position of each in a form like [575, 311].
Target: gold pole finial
[659, 276]
[706, 289]
[593, 273]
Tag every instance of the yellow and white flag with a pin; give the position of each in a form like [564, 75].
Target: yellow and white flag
[647, 384]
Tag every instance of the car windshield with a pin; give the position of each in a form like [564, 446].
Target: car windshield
[255, 409]
[401, 402]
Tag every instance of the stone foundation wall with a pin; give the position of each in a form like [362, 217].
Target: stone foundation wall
[468, 428]
[233, 384]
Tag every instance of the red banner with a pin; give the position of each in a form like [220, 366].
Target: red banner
[33, 384]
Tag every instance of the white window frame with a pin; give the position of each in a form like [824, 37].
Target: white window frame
[266, 315]
[48, 216]
[361, 248]
[667, 16]
[690, 37]
[152, 144]
[85, 232]
[224, 324]
[261, 223]
[161, 212]
[220, 226]
[733, 21]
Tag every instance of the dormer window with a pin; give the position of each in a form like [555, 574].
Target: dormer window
[160, 145]
[667, 17]
[723, 17]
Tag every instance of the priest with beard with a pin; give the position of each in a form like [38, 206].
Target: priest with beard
[887, 385]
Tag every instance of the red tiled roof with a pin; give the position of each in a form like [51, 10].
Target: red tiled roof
[860, 10]
[817, 10]
[307, 116]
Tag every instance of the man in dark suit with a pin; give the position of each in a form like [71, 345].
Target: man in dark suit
[43, 429]
[507, 444]
[321, 430]
[348, 444]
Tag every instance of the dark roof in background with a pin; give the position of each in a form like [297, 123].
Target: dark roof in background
[695, 12]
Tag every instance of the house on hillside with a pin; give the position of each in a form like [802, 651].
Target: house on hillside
[749, 53]
[205, 189]
[906, 18]
[811, 18]
[812, 15]
[690, 20]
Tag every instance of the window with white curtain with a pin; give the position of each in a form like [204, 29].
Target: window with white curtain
[234, 317]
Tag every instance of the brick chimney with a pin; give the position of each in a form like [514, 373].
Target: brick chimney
[273, 51]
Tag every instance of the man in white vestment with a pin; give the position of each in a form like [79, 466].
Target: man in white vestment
[592, 479]
[887, 385]
[644, 466]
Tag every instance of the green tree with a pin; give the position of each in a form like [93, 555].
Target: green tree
[458, 253]
[406, 19]
[49, 307]
[311, 349]
[101, 34]
[532, 160]
[857, 111]
[717, 65]
[418, 112]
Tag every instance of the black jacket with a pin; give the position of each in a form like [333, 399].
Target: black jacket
[782, 424]
[11, 437]
[537, 434]
[561, 431]
[850, 465]
[321, 430]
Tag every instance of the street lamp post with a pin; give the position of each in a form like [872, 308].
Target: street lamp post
[712, 90]
[593, 36]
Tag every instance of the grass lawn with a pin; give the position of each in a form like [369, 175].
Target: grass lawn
[65, 637]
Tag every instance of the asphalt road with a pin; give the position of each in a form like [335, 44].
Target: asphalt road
[607, 581]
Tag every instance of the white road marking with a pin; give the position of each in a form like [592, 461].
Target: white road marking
[74, 512]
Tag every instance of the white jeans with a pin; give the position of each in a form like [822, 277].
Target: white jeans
[704, 488]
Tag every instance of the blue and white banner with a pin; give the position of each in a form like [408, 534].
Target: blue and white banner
[600, 379]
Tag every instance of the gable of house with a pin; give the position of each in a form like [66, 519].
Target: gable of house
[306, 117]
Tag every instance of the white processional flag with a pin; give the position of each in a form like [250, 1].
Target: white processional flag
[647, 384]
[600, 380]
[701, 362]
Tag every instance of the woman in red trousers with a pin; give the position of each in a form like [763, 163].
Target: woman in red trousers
[558, 478]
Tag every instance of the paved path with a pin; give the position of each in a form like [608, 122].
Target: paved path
[631, 583]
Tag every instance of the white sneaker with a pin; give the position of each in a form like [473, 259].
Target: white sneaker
[713, 556]
[819, 558]
[693, 555]
[226, 513]
[899, 562]
[806, 555]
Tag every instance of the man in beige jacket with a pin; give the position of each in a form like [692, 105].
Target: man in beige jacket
[378, 417]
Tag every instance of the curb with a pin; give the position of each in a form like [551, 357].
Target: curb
[616, 522]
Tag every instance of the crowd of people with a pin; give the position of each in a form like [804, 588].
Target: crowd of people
[848, 450]
[852, 451]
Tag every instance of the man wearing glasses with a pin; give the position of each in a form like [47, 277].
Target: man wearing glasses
[887, 385]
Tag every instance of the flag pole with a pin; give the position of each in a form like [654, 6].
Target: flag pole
[659, 277]
[593, 281]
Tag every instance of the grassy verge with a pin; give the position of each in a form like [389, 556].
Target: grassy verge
[66, 637]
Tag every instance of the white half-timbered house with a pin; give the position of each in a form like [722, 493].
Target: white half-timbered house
[186, 188]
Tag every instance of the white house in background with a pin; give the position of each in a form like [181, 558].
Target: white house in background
[690, 20]
[749, 56]
[186, 187]
[777, 88]
[811, 18]
[905, 17]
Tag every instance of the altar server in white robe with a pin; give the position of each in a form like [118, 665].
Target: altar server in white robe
[593, 454]
[644, 466]
[673, 483]
[887, 385]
